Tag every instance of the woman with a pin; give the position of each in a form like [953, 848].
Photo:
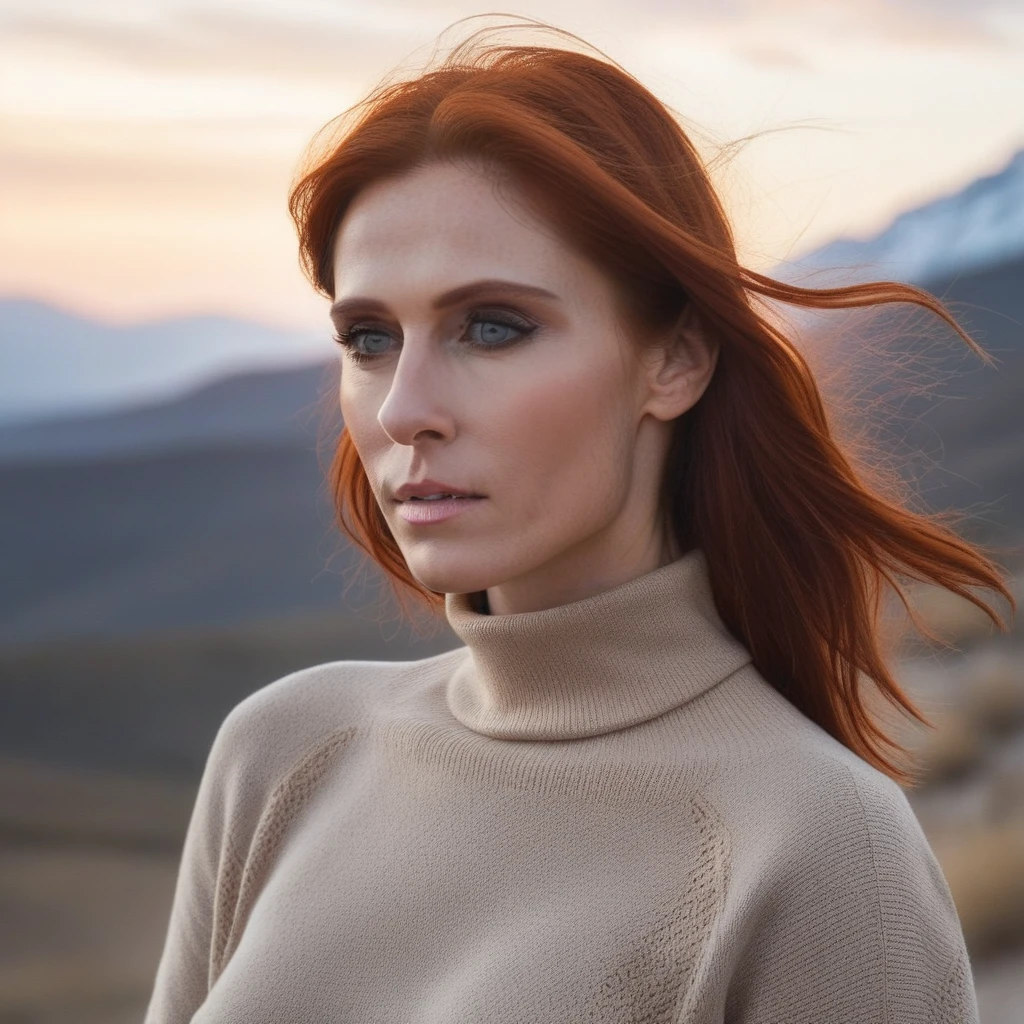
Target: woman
[648, 788]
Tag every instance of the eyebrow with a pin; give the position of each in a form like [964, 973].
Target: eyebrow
[450, 298]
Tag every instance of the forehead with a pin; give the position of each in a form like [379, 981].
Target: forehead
[438, 223]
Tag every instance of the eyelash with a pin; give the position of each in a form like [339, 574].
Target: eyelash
[346, 338]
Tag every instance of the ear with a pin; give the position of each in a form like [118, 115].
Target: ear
[679, 368]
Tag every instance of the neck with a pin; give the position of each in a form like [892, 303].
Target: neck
[572, 577]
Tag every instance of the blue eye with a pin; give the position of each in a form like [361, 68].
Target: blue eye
[374, 342]
[493, 333]
[490, 330]
[349, 339]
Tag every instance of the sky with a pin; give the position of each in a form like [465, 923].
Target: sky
[146, 148]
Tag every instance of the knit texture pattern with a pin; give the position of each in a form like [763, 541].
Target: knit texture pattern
[599, 812]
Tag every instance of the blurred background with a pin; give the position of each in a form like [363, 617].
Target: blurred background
[167, 401]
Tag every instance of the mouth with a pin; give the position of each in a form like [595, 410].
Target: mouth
[444, 497]
[431, 509]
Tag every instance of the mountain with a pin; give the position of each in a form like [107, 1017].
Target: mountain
[210, 510]
[239, 528]
[270, 406]
[54, 363]
[979, 227]
[960, 423]
[953, 425]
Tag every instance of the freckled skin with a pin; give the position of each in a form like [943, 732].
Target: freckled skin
[564, 431]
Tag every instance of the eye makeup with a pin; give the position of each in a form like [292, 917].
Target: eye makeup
[349, 337]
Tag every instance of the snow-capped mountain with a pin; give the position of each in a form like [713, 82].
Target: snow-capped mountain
[978, 227]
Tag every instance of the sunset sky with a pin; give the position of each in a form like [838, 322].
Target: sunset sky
[146, 148]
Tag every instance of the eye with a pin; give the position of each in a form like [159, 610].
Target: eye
[375, 341]
[491, 332]
[490, 329]
[496, 330]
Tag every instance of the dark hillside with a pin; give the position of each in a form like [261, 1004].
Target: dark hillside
[957, 424]
[186, 538]
[267, 406]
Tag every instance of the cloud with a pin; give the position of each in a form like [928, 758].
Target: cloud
[357, 42]
[217, 42]
[950, 23]
[954, 24]
[771, 56]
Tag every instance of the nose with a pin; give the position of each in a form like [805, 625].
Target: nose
[417, 406]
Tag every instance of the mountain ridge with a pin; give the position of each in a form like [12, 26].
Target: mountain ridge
[977, 227]
[55, 364]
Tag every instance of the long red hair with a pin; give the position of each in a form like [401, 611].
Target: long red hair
[801, 543]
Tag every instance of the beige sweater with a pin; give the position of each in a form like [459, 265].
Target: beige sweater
[598, 812]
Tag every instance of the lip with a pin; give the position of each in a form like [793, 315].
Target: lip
[425, 488]
[438, 511]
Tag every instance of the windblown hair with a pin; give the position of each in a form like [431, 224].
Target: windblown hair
[800, 546]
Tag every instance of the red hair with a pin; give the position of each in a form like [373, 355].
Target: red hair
[800, 544]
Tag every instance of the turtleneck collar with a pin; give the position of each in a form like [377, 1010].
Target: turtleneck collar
[588, 667]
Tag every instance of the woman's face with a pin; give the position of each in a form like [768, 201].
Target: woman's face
[495, 363]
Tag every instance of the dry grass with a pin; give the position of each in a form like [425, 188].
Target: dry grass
[45, 802]
[971, 800]
[985, 870]
[950, 750]
[88, 859]
[82, 932]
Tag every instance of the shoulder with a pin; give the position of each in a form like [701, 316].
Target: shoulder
[771, 751]
[850, 892]
[899, 863]
[851, 815]
[825, 843]
[802, 809]
[284, 723]
[300, 707]
[840, 878]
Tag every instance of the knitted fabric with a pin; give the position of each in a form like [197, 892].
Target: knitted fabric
[599, 812]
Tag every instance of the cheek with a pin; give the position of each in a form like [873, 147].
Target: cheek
[359, 408]
[567, 430]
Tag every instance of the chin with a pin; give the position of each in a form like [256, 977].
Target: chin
[453, 568]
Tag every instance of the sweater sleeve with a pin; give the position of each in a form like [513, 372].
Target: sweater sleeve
[208, 872]
[257, 743]
[860, 928]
